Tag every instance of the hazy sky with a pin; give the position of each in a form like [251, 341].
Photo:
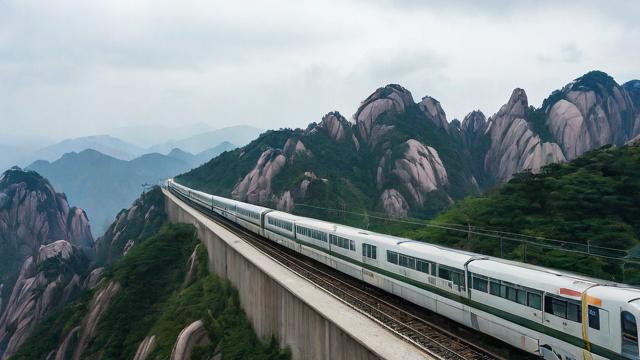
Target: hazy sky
[71, 68]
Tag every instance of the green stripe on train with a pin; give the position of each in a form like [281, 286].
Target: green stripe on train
[529, 324]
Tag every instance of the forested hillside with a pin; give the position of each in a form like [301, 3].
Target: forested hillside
[593, 200]
[405, 159]
[142, 302]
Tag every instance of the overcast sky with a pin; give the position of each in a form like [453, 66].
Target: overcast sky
[72, 68]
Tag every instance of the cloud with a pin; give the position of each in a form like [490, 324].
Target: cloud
[75, 67]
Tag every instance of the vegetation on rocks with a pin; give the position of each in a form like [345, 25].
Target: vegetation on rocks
[155, 299]
[593, 200]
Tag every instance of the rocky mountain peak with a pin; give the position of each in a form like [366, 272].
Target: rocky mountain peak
[33, 214]
[516, 106]
[47, 280]
[434, 112]
[391, 99]
[592, 81]
[33, 220]
[633, 89]
[591, 111]
[336, 125]
[474, 122]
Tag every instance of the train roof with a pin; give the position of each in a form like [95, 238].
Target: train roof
[227, 200]
[283, 215]
[540, 279]
[435, 253]
[252, 207]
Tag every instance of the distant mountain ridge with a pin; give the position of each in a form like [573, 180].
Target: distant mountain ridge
[105, 144]
[405, 158]
[200, 141]
[239, 135]
[103, 185]
[146, 136]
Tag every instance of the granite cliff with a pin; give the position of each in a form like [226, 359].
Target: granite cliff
[42, 245]
[404, 158]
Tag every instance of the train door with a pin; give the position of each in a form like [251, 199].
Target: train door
[629, 332]
[598, 326]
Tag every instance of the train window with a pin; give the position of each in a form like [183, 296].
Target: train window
[574, 312]
[555, 307]
[455, 276]
[344, 243]
[494, 288]
[369, 251]
[422, 266]
[629, 333]
[594, 317]
[534, 300]
[434, 269]
[412, 263]
[403, 260]
[315, 234]
[511, 293]
[503, 291]
[521, 297]
[392, 257]
[480, 284]
[444, 273]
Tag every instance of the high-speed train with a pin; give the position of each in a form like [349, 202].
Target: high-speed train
[552, 314]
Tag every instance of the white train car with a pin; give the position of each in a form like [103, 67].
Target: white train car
[225, 207]
[202, 199]
[279, 227]
[251, 217]
[559, 313]
[345, 249]
[180, 189]
[556, 315]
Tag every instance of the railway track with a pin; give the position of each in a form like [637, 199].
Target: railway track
[434, 340]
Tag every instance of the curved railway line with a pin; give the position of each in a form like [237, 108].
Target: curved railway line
[405, 320]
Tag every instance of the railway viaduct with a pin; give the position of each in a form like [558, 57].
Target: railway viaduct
[278, 302]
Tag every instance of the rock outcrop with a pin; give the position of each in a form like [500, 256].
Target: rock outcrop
[406, 159]
[33, 214]
[589, 112]
[131, 227]
[514, 145]
[434, 112]
[46, 281]
[194, 334]
[392, 100]
[89, 325]
[145, 348]
[592, 111]
[41, 236]
[419, 171]
[336, 126]
[255, 187]
[394, 204]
